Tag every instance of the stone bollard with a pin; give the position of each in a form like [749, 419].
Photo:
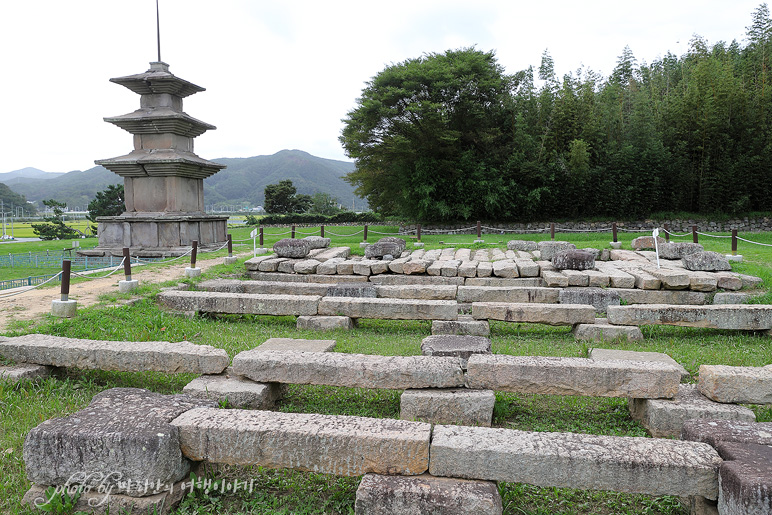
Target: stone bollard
[128, 284]
[193, 270]
[64, 308]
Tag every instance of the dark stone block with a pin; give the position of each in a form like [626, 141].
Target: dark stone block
[291, 248]
[600, 298]
[573, 260]
[382, 248]
[745, 478]
[714, 431]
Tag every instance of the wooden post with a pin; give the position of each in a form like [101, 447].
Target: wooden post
[667, 233]
[230, 245]
[479, 230]
[694, 234]
[734, 242]
[365, 240]
[293, 232]
[552, 231]
[614, 230]
[65, 291]
[193, 254]
[418, 232]
[321, 231]
[127, 263]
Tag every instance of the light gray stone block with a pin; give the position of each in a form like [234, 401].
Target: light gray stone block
[24, 372]
[129, 286]
[263, 287]
[449, 268]
[484, 269]
[522, 245]
[460, 346]
[505, 268]
[527, 267]
[351, 370]
[307, 266]
[599, 298]
[552, 314]
[576, 278]
[745, 385]
[644, 280]
[554, 279]
[448, 406]
[360, 290]
[392, 309]
[237, 391]
[252, 264]
[671, 279]
[664, 418]
[703, 281]
[123, 435]
[730, 298]
[675, 297]
[333, 253]
[418, 495]
[606, 332]
[617, 278]
[467, 269]
[292, 248]
[498, 282]
[508, 294]
[549, 248]
[307, 278]
[64, 308]
[296, 344]
[419, 291]
[329, 267]
[412, 280]
[168, 357]
[632, 355]
[621, 464]
[246, 303]
[287, 266]
[415, 266]
[706, 261]
[572, 376]
[340, 445]
[325, 323]
[729, 316]
[464, 325]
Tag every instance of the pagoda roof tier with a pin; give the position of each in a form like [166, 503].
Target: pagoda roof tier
[159, 120]
[156, 80]
[161, 163]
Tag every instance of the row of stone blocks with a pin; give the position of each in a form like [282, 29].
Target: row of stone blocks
[128, 439]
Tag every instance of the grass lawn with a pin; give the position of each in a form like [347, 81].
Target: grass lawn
[24, 406]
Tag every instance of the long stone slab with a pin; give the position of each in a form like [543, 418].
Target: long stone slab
[743, 385]
[726, 316]
[552, 314]
[24, 372]
[340, 445]
[241, 303]
[397, 280]
[417, 291]
[596, 354]
[664, 418]
[572, 376]
[307, 278]
[122, 438]
[677, 297]
[263, 287]
[168, 357]
[236, 391]
[465, 325]
[448, 406]
[622, 464]
[390, 309]
[416, 495]
[508, 294]
[351, 370]
[500, 282]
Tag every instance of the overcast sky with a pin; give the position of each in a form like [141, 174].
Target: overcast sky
[281, 75]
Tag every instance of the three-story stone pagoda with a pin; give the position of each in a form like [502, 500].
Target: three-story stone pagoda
[163, 178]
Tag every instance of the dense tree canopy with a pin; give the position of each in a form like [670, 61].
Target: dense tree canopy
[282, 199]
[451, 136]
[54, 228]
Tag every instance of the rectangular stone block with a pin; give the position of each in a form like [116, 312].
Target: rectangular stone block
[465, 325]
[702, 281]
[24, 372]
[572, 376]
[333, 253]
[452, 406]
[596, 279]
[498, 282]
[288, 266]
[743, 385]
[168, 357]
[676, 297]
[416, 495]
[552, 314]
[644, 280]
[325, 323]
[527, 267]
[237, 391]
[306, 278]
[243, 303]
[339, 445]
[467, 269]
[484, 269]
[391, 309]
[570, 460]
[450, 268]
[508, 294]
[505, 268]
[671, 279]
[632, 355]
[664, 418]
[461, 346]
[123, 435]
[606, 332]
[350, 370]
[263, 287]
[733, 282]
[743, 317]
[423, 292]
[270, 265]
[252, 264]
[362, 290]
[411, 280]
[617, 278]
[576, 277]
[599, 298]
[554, 278]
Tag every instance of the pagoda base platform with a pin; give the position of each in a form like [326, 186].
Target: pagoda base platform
[158, 235]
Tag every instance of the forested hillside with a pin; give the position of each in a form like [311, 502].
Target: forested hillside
[451, 136]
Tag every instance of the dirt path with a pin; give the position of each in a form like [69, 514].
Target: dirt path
[36, 303]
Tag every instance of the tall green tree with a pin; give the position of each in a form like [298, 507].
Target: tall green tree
[54, 228]
[282, 199]
[431, 137]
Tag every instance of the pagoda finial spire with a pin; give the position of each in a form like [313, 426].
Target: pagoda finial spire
[158, 29]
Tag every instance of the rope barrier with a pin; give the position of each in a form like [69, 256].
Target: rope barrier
[677, 235]
[167, 261]
[214, 250]
[566, 229]
[6, 295]
[712, 235]
[384, 233]
[754, 242]
[344, 235]
[89, 277]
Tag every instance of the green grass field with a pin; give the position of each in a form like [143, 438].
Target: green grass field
[24, 406]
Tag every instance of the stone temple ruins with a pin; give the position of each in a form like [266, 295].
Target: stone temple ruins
[163, 178]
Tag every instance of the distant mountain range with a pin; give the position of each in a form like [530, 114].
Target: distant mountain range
[241, 184]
